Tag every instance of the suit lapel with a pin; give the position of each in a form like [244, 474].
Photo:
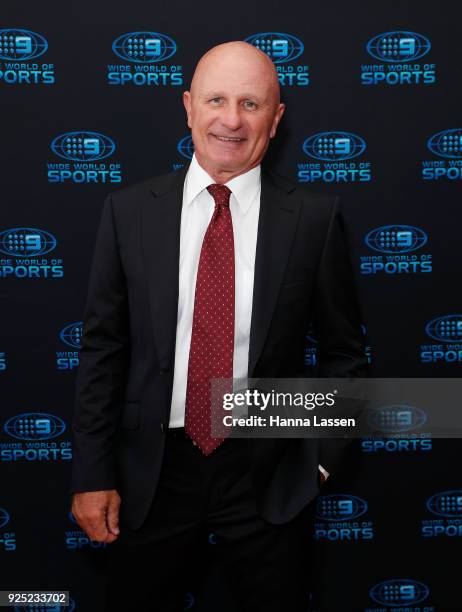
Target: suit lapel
[276, 228]
[160, 219]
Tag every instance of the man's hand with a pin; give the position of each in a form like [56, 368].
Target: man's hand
[97, 513]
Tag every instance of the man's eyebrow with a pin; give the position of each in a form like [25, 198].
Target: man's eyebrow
[251, 96]
[212, 94]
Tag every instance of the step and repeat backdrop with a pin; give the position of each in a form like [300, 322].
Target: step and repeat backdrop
[91, 102]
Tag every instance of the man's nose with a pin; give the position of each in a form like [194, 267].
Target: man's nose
[231, 117]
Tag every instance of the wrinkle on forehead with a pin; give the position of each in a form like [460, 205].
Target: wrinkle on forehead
[239, 60]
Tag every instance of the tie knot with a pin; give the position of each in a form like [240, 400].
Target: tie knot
[220, 193]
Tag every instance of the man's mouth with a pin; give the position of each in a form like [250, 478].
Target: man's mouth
[228, 138]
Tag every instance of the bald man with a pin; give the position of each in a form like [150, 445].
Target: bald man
[215, 271]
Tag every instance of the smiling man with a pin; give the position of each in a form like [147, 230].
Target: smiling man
[212, 272]
[233, 109]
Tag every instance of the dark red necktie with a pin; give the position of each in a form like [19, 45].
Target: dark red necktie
[212, 338]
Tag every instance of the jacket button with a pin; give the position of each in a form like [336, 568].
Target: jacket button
[164, 371]
[162, 427]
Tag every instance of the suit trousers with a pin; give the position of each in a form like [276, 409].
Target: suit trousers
[202, 499]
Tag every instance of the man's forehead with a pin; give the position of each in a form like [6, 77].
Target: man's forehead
[238, 71]
[235, 79]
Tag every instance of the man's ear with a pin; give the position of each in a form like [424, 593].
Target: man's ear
[187, 105]
[277, 118]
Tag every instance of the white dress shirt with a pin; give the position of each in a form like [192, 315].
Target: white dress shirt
[196, 213]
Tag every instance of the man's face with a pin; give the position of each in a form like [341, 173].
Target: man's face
[233, 110]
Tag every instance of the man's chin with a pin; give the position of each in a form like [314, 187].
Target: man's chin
[226, 162]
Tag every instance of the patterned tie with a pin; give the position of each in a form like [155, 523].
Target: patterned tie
[212, 338]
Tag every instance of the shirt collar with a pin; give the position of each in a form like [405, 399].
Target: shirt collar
[244, 187]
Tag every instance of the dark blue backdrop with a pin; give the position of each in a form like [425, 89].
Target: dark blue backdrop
[380, 82]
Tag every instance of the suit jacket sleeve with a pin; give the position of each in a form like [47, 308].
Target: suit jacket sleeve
[104, 360]
[337, 321]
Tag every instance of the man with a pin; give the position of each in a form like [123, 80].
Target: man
[214, 271]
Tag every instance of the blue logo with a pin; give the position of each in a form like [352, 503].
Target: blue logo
[72, 334]
[398, 46]
[83, 146]
[445, 329]
[26, 242]
[186, 147]
[396, 418]
[340, 507]
[18, 44]
[396, 239]
[447, 143]
[144, 47]
[279, 47]
[395, 243]
[4, 517]
[146, 53]
[447, 504]
[399, 592]
[334, 146]
[34, 426]
[398, 52]
[87, 152]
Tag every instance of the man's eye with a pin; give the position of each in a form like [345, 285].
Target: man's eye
[215, 100]
[250, 104]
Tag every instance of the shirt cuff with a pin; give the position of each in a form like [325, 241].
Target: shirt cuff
[323, 471]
